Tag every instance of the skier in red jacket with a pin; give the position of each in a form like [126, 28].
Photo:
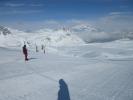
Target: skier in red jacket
[25, 52]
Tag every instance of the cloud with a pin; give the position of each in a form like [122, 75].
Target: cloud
[76, 21]
[9, 4]
[14, 4]
[117, 21]
[20, 12]
[121, 13]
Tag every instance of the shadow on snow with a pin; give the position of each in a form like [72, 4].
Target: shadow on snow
[63, 93]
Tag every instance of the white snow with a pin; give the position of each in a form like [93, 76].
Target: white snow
[97, 71]
[94, 71]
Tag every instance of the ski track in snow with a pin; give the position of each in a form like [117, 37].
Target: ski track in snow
[9, 61]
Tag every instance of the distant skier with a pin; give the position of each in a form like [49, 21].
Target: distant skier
[25, 52]
[37, 49]
[44, 51]
[43, 48]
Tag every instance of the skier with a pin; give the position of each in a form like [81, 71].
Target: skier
[37, 49]
[44, 51]
[25, 52]
[43, 48]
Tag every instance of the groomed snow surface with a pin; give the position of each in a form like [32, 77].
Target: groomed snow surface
[97, 71]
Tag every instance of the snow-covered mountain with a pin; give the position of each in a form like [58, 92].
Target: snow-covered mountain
[11, 37]
[49, 37]
[59, 37]
[78, 34]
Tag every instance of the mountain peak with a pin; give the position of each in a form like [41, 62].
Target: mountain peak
[4, 30]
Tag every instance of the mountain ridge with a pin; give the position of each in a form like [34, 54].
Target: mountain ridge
[78, 34]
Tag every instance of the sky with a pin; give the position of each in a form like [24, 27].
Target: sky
[34, 13]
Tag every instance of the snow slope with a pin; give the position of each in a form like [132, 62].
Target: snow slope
[96, 71]
[119, 49]
[92, 77]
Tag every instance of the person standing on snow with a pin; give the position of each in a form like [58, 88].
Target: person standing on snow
[25, 52]
[37, 49]
[43, 48]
